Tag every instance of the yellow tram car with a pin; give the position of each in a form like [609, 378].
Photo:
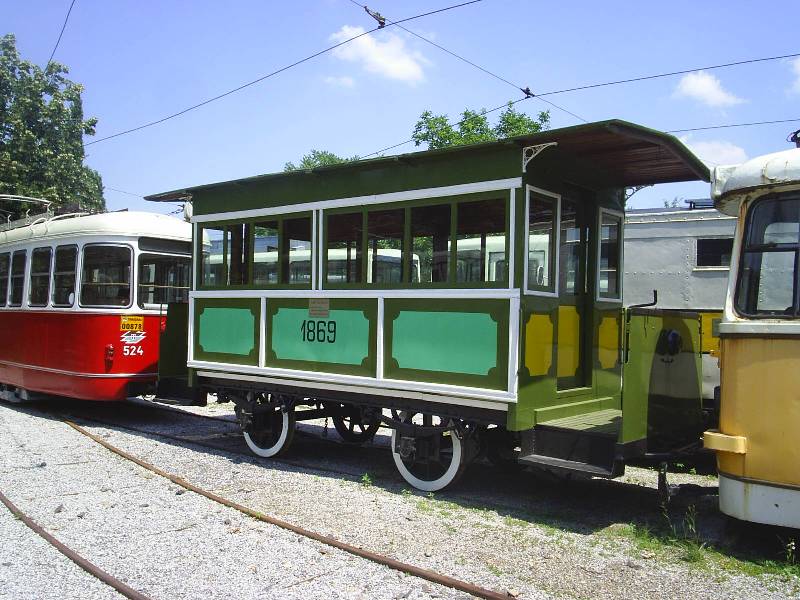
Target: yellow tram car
[758, 440]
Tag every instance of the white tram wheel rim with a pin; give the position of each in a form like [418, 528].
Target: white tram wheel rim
[274, 449]
[436, 484]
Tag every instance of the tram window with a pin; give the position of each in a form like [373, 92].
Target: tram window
[344, 254]
[237, 253]
[40, 276]
[4, 265]
[714, 252]
[265, 253]
[480, 234]
[64, 276]
[212, 258]
[542, 215]
[17, 277]
[569, 253]
[430, 243]
[768, 274]
[610, 226]
[106, 276]
[296, 254]
[163, 279]
[385, 246]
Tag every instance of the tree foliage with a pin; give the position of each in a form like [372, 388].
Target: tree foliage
[473, 127]
[317, 158]
[41, 136]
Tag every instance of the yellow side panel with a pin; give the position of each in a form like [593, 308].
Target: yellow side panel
[569, 341]
[608, 339]
[708, 342]
[761, 402]
[538, 344]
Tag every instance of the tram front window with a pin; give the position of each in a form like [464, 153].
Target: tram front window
[768, 274]
[163, 279]
[106, 276]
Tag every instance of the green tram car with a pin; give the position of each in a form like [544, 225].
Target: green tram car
[468, 298]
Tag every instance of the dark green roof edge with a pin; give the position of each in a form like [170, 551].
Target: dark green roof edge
[654, 135]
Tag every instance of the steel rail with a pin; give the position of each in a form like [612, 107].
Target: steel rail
[83, 563]
[381, 559]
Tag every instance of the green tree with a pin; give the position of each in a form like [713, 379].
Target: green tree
[317, 158]
[41, 136]
[473, 127]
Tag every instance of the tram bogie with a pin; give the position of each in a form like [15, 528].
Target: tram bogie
[470, 299]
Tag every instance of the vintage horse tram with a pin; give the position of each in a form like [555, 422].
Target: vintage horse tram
[499, 328]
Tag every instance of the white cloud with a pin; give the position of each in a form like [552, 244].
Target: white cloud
[796, 70]
[716, 152]
[388, 57]
[344, 81]
[705, 88]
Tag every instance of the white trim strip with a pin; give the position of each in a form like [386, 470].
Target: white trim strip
[448, 293]
[262, 334]
[437, 192]
[513, 345]
[8, 363]
[314, 236]
[757, 327]
[379, 337]
[498, 406]
[407, 389]
[512, 242]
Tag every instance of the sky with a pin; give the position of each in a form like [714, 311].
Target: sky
[140, 61]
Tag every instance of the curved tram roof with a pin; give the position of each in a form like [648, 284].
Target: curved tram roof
[132, 224]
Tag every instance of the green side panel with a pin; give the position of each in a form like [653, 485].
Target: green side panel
[349, 346]
[457, 342]
[348, 340]
[662, 389]
[226, 330]
[453, 342]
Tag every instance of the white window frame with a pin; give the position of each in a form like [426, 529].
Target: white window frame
[529, 189]
[620, 254]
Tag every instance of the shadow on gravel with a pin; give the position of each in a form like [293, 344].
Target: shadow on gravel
[584, 506]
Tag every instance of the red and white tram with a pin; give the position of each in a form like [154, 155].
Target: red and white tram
[82, 302]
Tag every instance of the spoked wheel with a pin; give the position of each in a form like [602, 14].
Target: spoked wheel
[355, 429]
[271, 432]
[429, 463]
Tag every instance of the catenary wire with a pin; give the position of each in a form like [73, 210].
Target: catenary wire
[732, 125]
[271, 74]
[525, 90]
[63, 27]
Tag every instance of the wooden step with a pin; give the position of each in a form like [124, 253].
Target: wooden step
[537, 460]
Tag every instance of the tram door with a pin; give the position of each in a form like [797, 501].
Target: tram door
[574, 300]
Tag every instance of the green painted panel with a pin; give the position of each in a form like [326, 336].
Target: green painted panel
[349, 345]
[227, 330]
[453, 342]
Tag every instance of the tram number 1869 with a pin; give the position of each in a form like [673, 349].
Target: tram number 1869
[318, 331]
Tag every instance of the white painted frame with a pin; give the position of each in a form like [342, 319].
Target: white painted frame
[529, 189]
[620, 254]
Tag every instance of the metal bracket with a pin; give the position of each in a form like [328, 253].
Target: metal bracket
[531, 152]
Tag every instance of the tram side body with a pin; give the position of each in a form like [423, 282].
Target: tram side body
[511, 340]
[76, 333]
[757, 446]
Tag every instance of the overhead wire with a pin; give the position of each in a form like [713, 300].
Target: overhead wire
[63, 27]
[525, 90]
[732, 125]
[272, 74]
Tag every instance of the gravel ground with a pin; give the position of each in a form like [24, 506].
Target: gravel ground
[149, 533]
[518, 533]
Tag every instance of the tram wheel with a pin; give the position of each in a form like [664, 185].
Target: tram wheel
[432, 471]
[271, 432]
[355, 429]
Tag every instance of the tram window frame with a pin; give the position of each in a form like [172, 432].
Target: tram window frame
[532, 289]
[56, 274]
[249, 225]
[485, 256]
[17, 277]
[36, 277]
[83, 283]
[742, 295]
[5, 276]
[444, 263]
[154, 284]
[619, 217]
[358, 268]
